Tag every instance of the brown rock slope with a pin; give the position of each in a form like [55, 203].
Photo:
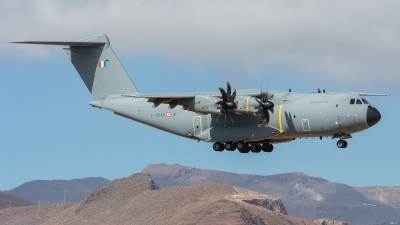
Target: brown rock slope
[31, 215]
[137, 200]
[8, 201]
[303, 195]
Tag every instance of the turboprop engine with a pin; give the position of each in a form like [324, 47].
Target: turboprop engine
[246, 105]
[207, 105]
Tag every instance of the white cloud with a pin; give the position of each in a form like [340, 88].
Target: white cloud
[341, 39]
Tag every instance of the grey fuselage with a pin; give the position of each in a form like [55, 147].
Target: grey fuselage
[295, 115]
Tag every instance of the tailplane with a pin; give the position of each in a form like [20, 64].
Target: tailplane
[97, 64]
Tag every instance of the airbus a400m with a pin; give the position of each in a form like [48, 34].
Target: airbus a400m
[247, 120]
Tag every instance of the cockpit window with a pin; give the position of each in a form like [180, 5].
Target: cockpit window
[359, 102]
[365, 101]
[352, 101]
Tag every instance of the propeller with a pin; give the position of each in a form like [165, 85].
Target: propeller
[265, 105]
[228, 101]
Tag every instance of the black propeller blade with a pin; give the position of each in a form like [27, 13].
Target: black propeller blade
[265, 105]
[228, 99]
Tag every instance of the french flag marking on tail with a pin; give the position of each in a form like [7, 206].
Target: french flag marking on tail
[102, 64]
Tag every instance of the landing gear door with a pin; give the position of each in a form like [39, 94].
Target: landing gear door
[199, 124]
[306, 124]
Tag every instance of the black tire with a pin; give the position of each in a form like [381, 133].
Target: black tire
[229, 146]
[341, 144]
[264, 147]
[217, 146]
[247, 150]
[243, 147]
[255, 148]
[270, 148]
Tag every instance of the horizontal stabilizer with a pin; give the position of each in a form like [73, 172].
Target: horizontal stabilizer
[64, 43]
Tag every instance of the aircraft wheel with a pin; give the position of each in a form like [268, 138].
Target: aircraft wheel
[341, 144]
[270, 148]
[243, 147]
[256, 148]
[264, 147]
[218, 146]
[229, 146]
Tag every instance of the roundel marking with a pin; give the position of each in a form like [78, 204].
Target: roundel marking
[168, 114]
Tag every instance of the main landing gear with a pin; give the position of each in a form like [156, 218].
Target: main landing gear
[341, 144]
[243, 147]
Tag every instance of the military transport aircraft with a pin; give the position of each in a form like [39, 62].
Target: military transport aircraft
[247, 120]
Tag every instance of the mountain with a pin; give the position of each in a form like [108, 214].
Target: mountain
[53, 190]
[138, 200]
[9, 201]
[303, 196]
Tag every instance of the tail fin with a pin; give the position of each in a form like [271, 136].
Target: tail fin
[97, 64]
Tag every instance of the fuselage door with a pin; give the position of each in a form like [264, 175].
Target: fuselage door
[199, 124]
[306, 124]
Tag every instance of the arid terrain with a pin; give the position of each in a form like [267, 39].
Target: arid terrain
[303, 195]
[176, 194]
[138, 200]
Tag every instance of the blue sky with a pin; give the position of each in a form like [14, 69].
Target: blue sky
[49, 131]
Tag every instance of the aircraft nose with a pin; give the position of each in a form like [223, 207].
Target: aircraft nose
[373, 116]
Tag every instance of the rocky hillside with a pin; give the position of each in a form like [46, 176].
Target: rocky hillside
[384, 195]
[31, 215]
[137, 200]
[9, 201]
[53, 190]
[303, 196]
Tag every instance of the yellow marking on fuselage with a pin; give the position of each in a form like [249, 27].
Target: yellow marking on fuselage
[280, 119]
[247, 104]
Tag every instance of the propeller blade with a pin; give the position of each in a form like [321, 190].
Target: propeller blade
[228, 90]
[267, 119]
[223, 93]
[260, 111]
[233, 95]
[265, 97]
[218, 117]
[272, 110]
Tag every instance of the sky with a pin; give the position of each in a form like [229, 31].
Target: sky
[49, 131]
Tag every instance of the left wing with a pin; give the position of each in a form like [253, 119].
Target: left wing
[369, 94]
[169, 97]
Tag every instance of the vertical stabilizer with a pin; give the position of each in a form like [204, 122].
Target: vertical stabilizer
[99, 68]
[97, 64]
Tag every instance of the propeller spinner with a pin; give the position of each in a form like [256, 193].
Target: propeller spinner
[265, 105]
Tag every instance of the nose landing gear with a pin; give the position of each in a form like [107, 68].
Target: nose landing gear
[341, 144]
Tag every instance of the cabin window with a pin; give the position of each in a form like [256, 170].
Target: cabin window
[359, 102]
[365, 101]
[352, 101]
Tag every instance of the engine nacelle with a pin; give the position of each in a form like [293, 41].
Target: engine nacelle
[246, 105]
[206, 104]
